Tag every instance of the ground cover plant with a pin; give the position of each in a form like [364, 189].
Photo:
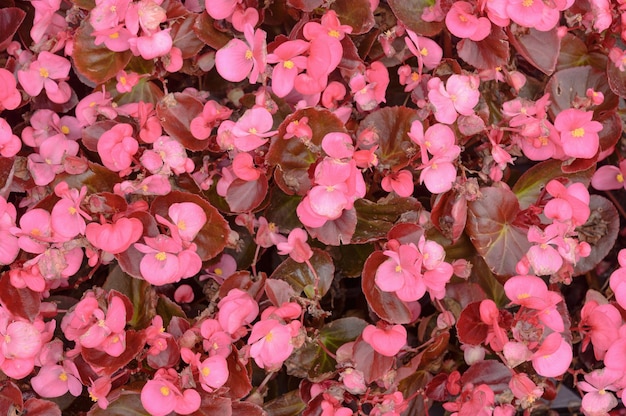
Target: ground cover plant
[284, 207]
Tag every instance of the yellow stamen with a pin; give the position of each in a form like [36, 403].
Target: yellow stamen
[252, 131]
[72, 210]
[333, 33]
[249, 54]
[620, 178]
[269, 337]
[160, 256]
[63, 376]
[114, 35]
[218, 271]
[123, 80]
[165, 391]
[527, 3]
[415, 76]
[579, 132]
[523, 296]
[424, 52]
[288, 64]
[398, 268]
[93, 397]
[181, 225]
[206, 371]
[44, 72]
[65, 130]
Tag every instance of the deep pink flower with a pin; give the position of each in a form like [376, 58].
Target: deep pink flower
[400, 182]
[114, 238]
[253, 129]
[117, 147]
[579, 133]
[213, 372]
[162, 395]
[553, 357]
[212, 114]
[10, 144]
[10, 97]
[296, 246]
[236, 309]
[189, 218]
[56, 380]
[289, 62]
[427, 51]
[271, 342]
[568, 204]
[20, 342]
[67, 217]
[459, 95]
[221, 9]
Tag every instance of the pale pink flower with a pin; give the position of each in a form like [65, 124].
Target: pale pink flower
[212, 114]
[459, 96]
[271, 343]
[162, 395]
[553, 357]
[427, 51]
[610, 177]
[579, 133]
[57, 380]
[598, 385]
[400, 182]
[236, 310]
[252, 130]
[386, 340]
[152, 46]
[463, 23]
[189, 218]
[43, 74]
[221, 9]
[10, 97]
[117, 147]
[296, 246]
[116, 237]
[289, 62]
[67, 217]
[10, 144]
[568, 204]
[213, 372]
[238, 59]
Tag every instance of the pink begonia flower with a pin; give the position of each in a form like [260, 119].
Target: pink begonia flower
[531, 292]
[106, 326]
[67, 217]
[188, 217]
[243, 167]
[152, 185]
[126, 81]
[162, 395]
[400, 182]
[525, 390]
[213, 372]
[579, 133]
[329, 26]
[553, 357]
[462, 22]
[216, 340]
[45, 124]
[167, 155]
[117, 147]
[271, 343]
[99, 390]
[296, 246]
[568, 204]
[238, 59]
[387, 341]
[97, 103]
[610, 177]
[333, 93]
[459, 96]
[369, 89]
[289, 63]
[49, 162]
[114, 238]
[236, 310]
[42, 73]
[242, 18]
[56, 380]
[20, 343]
[35, 231]
[224, 268]
[10, 144]
[108, 13]
[221, 9]
[152, 46]
[252, 130]
[116, 39]
[353, 380]
[600, 325]
[212, 114]
[617, 280]
[543, 257]
[10, 97]
[184, 294]
[165, 261]
[398, 270]
[146, 15]
[598, 400]
[427, 51]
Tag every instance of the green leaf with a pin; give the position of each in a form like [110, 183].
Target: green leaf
[375, 219]
[300, 277]
[96, 64]
[289, 404]
[140, 293]
[492, 229]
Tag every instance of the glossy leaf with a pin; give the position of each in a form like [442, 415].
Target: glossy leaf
[96, 63]
[145, 90]
[490, 372]
[140, 293]
[11, 401]
[205, 29]
[469, 327]
[176, 112]
[568, 84]
[355, 13]
[246, 409]
[600, 231]
[35, 406]
[20, 302]
[289, 404]
[184, 37]
[373, 365]
[10, 20]
[135, 341]
[300, 276]
[167, 309]
[128, 404]
[391, 125]
[239, 384]
[489, 53]
[449, 214]
[336, 232]
[212, 237]
[293, 157]
[540, 48]
[245, 196]
[491, 227]
[282, 210]
[410, 14]
[384, 304]
[375, 219]
[350, 258]
[529, 186]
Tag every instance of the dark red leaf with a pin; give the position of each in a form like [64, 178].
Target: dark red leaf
[11, 400]
[247, 409]
[176, 112]
[204, 27]
[243, 280]
[135, 341]
[489, 53]
[300, 276]
[469, 327]
[21, 302]
[245, 196]
[289, 404]
[184, 37]
[491, 227]
[239, 384]
[41, 407]
[375, 219]
[391, 125]
[305, 5]
[373, 365]
[127, 404]
[539, 48]
[490, 372]
[449, 214]
[96, 64]
[336, 232]
[355, 13]
[10, 20]
[410, 14]
[386, 305]
[211, 239]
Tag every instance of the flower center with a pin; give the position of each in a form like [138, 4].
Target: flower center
[160, 256]
[249, 54]
[527, 3]
[579, 132]
[288, 64]
[206, 371]
[333, 33]
[165, 391]
[44, 72]
[620, 178]
[65, 130]
[63, 376]
[181, 225]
